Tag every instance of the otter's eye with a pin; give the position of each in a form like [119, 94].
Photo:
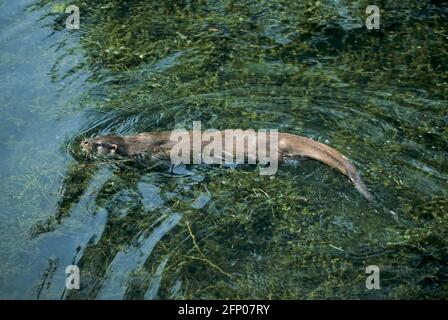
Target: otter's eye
[85, 142]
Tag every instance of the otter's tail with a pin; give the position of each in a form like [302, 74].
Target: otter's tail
[359, 185]
[315, 150]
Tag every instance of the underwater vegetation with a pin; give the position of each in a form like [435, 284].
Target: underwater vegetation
[305, 67]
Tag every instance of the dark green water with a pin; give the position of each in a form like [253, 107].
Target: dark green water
[309, 68]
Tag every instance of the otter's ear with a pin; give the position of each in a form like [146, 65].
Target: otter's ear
[113, 147]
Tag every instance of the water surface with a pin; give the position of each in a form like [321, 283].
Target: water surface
[309, 68]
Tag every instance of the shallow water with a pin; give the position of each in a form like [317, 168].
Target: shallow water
[309, 68]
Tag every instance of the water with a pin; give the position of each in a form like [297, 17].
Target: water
[310, 68]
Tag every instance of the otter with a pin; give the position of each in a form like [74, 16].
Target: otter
[157, 145]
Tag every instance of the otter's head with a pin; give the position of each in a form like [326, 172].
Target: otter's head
[105, 146]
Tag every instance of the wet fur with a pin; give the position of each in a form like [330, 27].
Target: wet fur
[158, 146]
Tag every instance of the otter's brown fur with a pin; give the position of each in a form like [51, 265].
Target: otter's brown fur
[158, 145]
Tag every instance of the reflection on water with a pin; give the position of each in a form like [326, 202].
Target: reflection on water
[128, 261]
[144, 232]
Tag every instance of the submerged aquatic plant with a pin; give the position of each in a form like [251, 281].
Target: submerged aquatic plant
[307, 67]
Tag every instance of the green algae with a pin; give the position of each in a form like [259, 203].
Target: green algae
[307, 67]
